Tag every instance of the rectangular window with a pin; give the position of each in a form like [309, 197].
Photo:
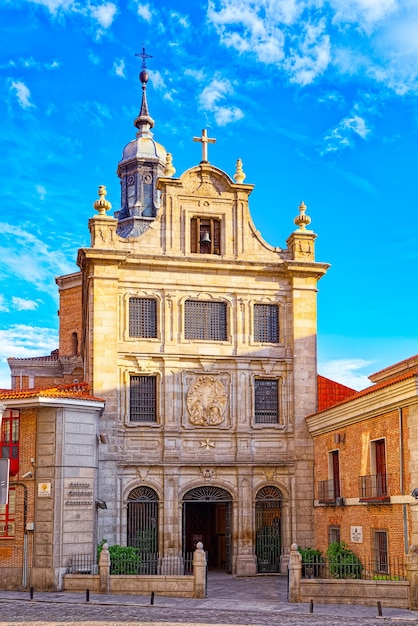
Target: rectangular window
[205, 236]
[9, 444]
[266, 323]
[143, 399]
[142, 317]
[7, 516]
[205, 320]
[334, 534]
[381, 551]
[266, 401]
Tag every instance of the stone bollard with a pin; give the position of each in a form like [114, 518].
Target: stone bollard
[104, 569]
[412, 576]
[295, 573]
[199, 571]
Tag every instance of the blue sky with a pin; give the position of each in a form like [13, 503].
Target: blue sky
[318, 97]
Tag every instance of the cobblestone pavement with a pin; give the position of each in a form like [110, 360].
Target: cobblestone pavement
[259, 601]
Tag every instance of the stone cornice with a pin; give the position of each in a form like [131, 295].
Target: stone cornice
[372, 404]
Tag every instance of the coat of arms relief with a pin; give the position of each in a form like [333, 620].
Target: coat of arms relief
[206, 401]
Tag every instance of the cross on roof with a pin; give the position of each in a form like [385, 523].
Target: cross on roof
[204, 139]
[144, 56]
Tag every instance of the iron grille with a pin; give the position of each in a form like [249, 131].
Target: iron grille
[374, 487]
[143, 399]
[266, 323]
[266, 400]
[143, 526]
[142, 317]
[267, 517]
[207, 494]
[205, 320]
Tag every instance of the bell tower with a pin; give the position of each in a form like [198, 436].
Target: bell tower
[143, 161]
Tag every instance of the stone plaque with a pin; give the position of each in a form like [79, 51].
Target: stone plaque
[356, 534]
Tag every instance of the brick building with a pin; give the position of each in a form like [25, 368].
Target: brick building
[50, 437]
[366, 467]
[201, 339]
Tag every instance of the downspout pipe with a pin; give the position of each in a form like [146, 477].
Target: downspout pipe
[401, 481]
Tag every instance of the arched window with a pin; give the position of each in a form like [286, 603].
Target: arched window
[143, 523]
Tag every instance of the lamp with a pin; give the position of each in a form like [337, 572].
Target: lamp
[414, 494]
[101, 504]
[103, 438]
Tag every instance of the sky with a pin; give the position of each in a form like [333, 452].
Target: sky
[319, 98]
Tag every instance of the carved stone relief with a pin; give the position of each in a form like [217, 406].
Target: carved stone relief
[206, 401]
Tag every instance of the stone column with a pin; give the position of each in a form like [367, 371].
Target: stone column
[295, 573]
[104, 569]
[412, 576]
[199, 571]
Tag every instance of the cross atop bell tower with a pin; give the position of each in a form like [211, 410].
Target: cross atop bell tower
[204, 140]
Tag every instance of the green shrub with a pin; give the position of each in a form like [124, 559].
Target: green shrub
[123, 559]
[342, 561]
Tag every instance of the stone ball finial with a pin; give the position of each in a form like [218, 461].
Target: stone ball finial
[239, 175]
[102, 205]
[199, 545]
[302, 220]
[169, 170]
[294, 547]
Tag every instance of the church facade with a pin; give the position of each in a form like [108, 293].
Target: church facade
[201, 339]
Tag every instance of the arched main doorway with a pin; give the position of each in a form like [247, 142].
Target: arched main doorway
[267, 526]
[142, 525]
[207, 517]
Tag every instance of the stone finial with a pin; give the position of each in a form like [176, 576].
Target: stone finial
[302, 220]
[239, 175]
[169, 170]
[102, 205]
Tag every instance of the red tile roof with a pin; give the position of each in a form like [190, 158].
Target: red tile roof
[79, 390]
[330, 392]
[372, 388]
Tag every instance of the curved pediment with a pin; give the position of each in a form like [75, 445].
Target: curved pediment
[206, 181]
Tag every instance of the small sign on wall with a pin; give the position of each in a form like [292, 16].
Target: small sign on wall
[356, 534]
[44, 490]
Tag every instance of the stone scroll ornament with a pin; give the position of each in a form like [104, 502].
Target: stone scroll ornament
[206, 401]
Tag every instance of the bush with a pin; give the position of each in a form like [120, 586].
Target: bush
[312, 562]
[342, 561]
[123, 559]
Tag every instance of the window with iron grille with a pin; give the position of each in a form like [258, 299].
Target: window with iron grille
[334, 534]
[266, 401]
[266, 323]
[381, 551]
[7, 515]
[205, 236]
[205, 320]
[142, 317]
[143, 399]
[9, 442]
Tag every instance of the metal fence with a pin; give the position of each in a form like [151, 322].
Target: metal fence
[146, 564]
[366, 569]
[82, 564]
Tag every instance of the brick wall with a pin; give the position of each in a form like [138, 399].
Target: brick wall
[70, 321]
[355, 461]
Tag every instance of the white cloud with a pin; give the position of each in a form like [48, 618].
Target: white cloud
[33, 261]
[342, 136]
[312, 55]
[24, 304]
[55, 5]
[215, 92]
[31, 63]
[4, 308]
[22, 93]
[347, 372]
[104, 13]
[119, 68]
[366, 14]
[41, 191]
[22, 341]
[182, 20]
[145, 12]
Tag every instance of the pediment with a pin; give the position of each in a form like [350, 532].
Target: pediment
[207, 182]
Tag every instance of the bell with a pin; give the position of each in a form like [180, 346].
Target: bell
[205, 237]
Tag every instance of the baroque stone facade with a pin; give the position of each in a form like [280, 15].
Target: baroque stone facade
[201, 339]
